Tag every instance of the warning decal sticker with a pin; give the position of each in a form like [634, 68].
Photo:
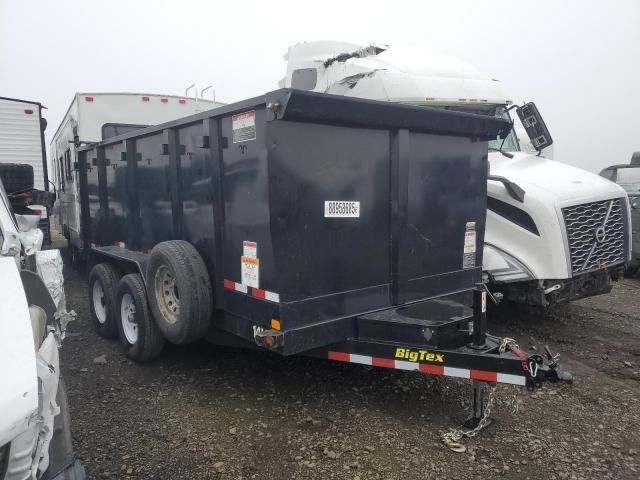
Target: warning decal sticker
[244, 126]
[469, 251]
[250, 264]
[250, 272]
[250, 249]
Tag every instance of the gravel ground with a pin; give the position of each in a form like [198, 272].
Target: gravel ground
[210, 412]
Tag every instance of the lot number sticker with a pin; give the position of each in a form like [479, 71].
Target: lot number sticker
[341, 209]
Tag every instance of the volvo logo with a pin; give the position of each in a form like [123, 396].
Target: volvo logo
[601, 234]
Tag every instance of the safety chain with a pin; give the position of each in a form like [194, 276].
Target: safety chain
[452, 438]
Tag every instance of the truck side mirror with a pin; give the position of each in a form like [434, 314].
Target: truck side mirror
[635, 203]
[534, 126]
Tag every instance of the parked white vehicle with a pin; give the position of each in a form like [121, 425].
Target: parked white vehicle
[35, 440]
[569, 236]
[92, 117]
[22, 129]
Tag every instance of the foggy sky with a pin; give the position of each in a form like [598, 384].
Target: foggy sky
[578, 60]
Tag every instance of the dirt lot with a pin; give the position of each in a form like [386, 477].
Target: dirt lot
[210, 412]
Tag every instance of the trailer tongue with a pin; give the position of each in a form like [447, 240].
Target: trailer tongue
[302, 223]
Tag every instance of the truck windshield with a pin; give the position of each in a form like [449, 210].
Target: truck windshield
[500, 111]
[631, 187]
[629, 179]
[510, 143]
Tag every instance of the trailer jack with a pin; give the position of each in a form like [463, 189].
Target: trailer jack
[538, 371]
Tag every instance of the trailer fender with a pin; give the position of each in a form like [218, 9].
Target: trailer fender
[127, 261]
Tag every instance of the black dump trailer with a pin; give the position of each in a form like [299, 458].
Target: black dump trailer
[301, 223]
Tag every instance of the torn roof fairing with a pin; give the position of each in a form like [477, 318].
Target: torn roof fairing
[394, 73]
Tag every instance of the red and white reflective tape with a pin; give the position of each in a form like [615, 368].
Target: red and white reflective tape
[430, 368]
[254, 292]
[119, 244]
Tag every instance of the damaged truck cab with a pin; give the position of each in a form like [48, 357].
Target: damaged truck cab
[541, 245]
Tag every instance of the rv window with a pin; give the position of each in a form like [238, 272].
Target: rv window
[61, 173]
[114, 129]
[67, 162]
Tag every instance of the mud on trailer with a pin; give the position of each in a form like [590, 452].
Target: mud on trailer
[301, 223]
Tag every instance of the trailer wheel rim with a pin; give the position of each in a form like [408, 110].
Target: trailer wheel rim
[167, 294]
[128, 318]
[97, 294]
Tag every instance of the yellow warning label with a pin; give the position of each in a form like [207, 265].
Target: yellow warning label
[250, 271]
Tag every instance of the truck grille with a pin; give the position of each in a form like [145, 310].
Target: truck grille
[596, 233]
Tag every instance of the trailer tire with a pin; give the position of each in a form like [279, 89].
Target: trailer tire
[16, 177]
[180, 294]
[103, 284]
[139, 334]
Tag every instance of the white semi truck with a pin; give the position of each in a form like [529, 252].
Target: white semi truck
[554, 232]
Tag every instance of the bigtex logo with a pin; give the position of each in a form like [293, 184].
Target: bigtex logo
[417, 355]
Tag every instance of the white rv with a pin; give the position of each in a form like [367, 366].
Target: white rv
[92, 117]
[22, 142]
[566, 239]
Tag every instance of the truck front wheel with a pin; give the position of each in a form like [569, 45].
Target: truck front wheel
[103, 281]
[180, 293]
[139, 335]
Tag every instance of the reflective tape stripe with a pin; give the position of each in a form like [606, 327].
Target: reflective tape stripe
[484, 375]
[383, 362]
[428, 368]
[456, 372]
[258, 293]
[255, 292]
[362, 359]
[431, 369]
[513, 379]
[404, 365]
[272, 297]
[339, 356]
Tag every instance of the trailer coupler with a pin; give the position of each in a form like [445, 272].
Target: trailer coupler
[537, 370]
[548, 370]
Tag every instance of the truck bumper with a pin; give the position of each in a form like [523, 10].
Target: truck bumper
[557, 291]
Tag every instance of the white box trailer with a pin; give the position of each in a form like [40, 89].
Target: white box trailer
[22, 141]
[22, 137]
[93, 117]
